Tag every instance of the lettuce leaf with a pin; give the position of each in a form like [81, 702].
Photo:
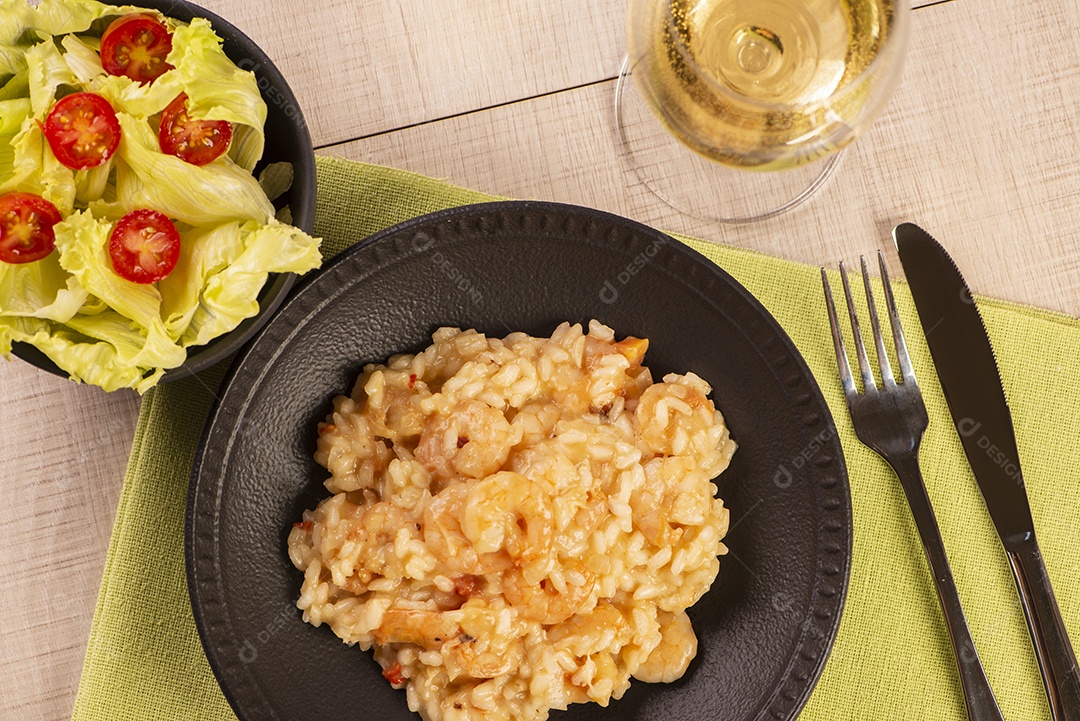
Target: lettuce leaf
[60, 17]
[13, 113]
[218, 89]
[97, 362]
[140, 101]
[219, 192]
[91, 184]
[31, 166]
[83, 60]
[14, 16]
[41, 289]
[34, 169]
[133, 347]
[14, 21]
[17, 86]
[81, 241]
[229, 295]
[204, 252]
[47, 71]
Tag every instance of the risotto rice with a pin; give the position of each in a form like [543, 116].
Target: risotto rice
[516, 524]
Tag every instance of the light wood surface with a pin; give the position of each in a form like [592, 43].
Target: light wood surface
[981, 144]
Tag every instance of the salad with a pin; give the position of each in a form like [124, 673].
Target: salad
[131, 226]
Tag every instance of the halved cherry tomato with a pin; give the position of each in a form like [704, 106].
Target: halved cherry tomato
[136, 46]
[144, 246]
[194, 141]
[26, 227]
[82, 130]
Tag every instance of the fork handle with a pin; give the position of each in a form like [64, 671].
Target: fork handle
[978, 696]
[1055, 655]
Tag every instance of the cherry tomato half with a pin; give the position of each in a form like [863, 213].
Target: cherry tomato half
[194, 141]
[144, 246]
[82, 130]
[26, 227]
[136, 46]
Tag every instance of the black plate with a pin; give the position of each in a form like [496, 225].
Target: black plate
[287, 140]
[766, 626]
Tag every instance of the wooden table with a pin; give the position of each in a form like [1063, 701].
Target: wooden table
[981, 144]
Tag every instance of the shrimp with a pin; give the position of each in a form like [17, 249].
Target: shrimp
[474, 440]
[443, 535]
[506, 512]
[537, 421]
[670, 498]
[677, 648]
[390, 409]
[574, 541]
[426, 629]
[591, 513]
[670, 415]
[602, 629]
[459, 636]
[490, 525]
[543, 602]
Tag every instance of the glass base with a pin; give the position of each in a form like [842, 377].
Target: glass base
[699, 187]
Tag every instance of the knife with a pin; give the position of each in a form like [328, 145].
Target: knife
[969, 376]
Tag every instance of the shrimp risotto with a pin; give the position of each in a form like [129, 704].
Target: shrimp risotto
[516, 525]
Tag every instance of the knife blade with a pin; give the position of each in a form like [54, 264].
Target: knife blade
[967, 369]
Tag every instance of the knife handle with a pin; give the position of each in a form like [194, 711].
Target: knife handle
[1055, 655]
[978, 696]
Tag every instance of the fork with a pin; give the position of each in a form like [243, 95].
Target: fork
[891, 420]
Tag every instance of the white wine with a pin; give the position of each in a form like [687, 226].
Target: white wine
[762, 84]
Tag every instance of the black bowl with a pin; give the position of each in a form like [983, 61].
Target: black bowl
[287, 140]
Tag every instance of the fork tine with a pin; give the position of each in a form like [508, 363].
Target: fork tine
[875, 325]
[860, 348]
[906, 370]
[846, 380]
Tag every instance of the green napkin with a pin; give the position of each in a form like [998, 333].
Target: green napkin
[892, 658]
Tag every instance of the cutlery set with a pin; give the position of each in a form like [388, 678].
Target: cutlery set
[891, 418]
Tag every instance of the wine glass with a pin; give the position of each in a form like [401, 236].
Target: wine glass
[757, 96]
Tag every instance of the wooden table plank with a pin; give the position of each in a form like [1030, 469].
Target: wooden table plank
[361, 67]
[983, 152]
[63, 449]
[367, 66]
